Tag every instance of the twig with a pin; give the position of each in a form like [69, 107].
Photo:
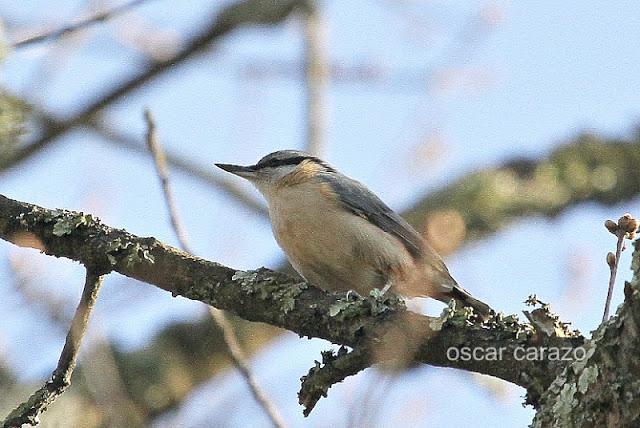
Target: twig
[100, 17]
[177, 161]
[230, 339]
[160, 163]
[317, 76]
[626, 227]
[234, 350]
[29, 411]
[613, 267]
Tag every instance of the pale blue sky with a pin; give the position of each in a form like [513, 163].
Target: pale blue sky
[542, 73]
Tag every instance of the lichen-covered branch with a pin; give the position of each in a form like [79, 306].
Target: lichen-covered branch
[29, 411]
[587, 168]
[602, 389]
[378, 323]
[335, 367]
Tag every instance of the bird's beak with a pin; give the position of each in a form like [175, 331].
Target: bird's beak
[248, 172]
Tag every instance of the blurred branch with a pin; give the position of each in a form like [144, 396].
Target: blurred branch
[100, 17]
[133, 143]
[375, 322]
[187, 166]
[317, 77]
[29, 411]
[160, 162]
[235, 352]
[230, 338]
[589, 168]
[246, 12]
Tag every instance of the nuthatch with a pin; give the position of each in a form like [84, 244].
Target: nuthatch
[340, 236]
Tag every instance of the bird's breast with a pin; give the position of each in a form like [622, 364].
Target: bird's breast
[331, 247]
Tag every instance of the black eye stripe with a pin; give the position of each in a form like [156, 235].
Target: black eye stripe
[296, 160]
[280, 162]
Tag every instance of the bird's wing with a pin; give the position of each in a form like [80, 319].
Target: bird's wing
[359, 200]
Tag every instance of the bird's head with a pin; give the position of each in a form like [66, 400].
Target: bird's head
[280, 169]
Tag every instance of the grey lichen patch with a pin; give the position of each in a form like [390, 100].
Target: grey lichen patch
[339, 306]
[131, 253]
[245, 278]
[511, 325]
[138, 253]
[349, 306]
[353, 305]
[65, 222]
[565, 403]
[261, 283]
[546, 322]
[381, 302]
[453, 316]
[68, 223]
[588, 376]
[578, 366]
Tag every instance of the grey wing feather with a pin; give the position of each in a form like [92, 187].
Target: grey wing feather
[362, 202]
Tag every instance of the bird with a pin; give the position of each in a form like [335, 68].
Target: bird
[339, 236]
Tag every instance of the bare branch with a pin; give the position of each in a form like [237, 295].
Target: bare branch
[230, 339]
[100, 17]
[29, 411]
[589, 168]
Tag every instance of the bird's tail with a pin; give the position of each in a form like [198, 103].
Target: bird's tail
[464, 298]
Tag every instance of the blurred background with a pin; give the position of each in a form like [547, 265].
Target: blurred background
[504, 131]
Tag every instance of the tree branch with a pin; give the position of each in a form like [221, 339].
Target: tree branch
[374, 322]
[334, 369]
[29, 411]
